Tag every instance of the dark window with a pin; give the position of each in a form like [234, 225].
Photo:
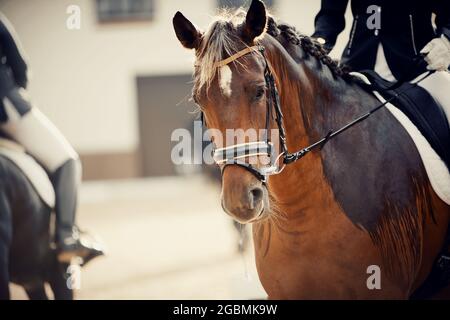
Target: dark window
[125, 10]
[240, 3]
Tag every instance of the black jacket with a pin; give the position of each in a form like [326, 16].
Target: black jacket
[11, 55]
[406, 27]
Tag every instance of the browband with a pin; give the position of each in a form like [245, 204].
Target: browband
[236, 56]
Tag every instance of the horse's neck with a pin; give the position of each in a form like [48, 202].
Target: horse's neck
[305, 96]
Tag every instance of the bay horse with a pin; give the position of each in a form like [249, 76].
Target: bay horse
[26, 257]
[362, 200]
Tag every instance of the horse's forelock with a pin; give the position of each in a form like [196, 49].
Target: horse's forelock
[219, 42]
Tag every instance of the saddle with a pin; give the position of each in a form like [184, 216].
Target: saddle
[420, 107]
[429, 118]
[30, 168]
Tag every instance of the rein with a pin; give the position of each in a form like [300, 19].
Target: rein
[233, 155]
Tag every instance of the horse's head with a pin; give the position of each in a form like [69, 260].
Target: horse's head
[231, 89]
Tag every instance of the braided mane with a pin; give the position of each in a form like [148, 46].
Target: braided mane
[310, 46]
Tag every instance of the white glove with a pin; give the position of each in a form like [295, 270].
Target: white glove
[438, 54]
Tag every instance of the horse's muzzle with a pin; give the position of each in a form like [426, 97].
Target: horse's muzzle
[244, 198]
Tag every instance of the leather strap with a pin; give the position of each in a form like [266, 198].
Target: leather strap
[236, 56]
[245, 150]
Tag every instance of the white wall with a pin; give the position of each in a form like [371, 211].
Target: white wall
[84, 80]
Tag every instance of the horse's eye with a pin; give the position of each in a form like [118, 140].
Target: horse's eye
[259, 93]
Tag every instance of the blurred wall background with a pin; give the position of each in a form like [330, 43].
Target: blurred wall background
[119, 85]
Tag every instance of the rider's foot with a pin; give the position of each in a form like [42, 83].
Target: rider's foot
[77, 245]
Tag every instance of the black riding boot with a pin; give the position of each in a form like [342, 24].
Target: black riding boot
[69, 240]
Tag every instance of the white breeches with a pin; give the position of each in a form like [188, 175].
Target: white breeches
[40, 138]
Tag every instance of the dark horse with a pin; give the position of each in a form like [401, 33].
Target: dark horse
[26, 257]
[361, 203]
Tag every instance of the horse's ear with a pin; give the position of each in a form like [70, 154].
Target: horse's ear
[255, 21]
[187, 33]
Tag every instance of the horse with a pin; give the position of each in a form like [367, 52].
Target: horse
[26, 255]
[358, 211]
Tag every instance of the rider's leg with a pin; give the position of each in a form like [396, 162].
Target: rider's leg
[438, 85]
[29, 127]
[65, 181]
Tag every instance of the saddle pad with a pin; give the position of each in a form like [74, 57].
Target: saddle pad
[436, 169]
[30, 168]
[420, 107]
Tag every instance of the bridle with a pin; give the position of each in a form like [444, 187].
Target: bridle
[235, 154]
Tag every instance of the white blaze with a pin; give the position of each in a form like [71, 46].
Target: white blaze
[225, 75]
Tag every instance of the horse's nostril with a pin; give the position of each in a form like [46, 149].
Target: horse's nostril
[256, 195]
